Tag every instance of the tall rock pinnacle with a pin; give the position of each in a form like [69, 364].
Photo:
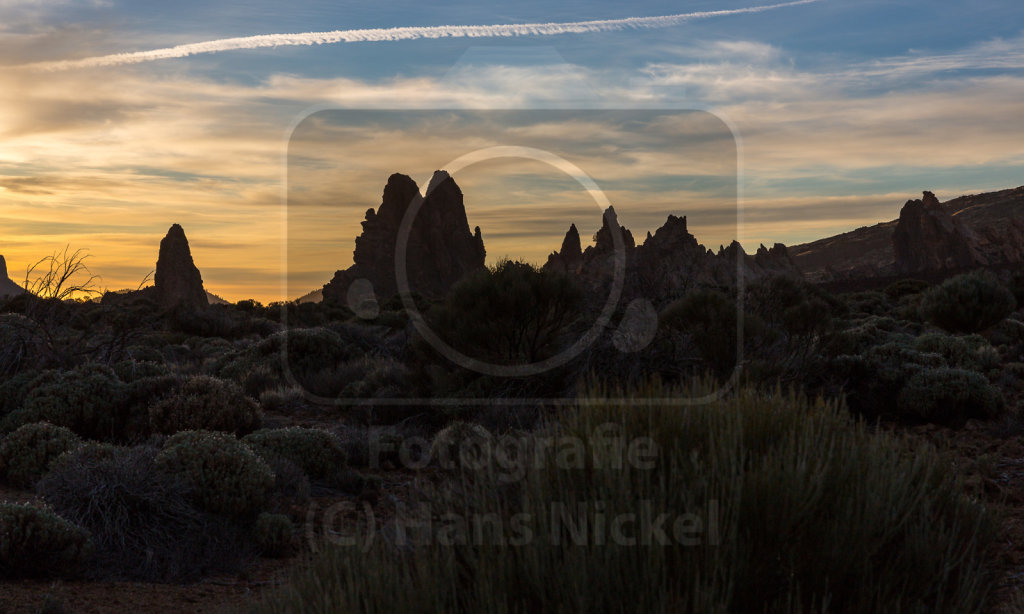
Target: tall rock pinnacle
[178, 281]
[440, 249]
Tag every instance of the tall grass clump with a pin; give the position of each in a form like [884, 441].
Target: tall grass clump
[772, 503]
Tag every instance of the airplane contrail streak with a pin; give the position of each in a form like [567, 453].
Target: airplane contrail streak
[396, 34]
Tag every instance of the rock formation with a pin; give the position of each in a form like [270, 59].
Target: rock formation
[178, 283]
[440, 249]
[935, 240]
[7, 287]
[570, 256]
[928, 239]
[668, 263]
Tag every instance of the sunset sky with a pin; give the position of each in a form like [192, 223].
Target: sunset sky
[832, 113]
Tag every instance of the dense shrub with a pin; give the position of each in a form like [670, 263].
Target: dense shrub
[142, 520]
[317, 451]
[950, 396]
[710, 319]
[296, 354]
[968, 303]
[131, 370]
[784, 506]
[205, 403]
[27, 453]
[460, 444]
[37, 542]
[89, 400]
[509, 314]
[273, 534]
[15, 388]
[965, 352]
[905, 287]
[226, 476]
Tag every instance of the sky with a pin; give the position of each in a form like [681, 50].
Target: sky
[759, 122]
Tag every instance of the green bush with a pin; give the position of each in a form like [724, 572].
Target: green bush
[710, 319]
[37, 542]
[772, 504]
[205, 403]
[226, 476]
[89, 400]
[964, 352]
[27, 453]
[273, 534]
[131, 370]
[950, 396]
[905, 287]
[968, 303]
[509, 314]
[318, 452]
[15, 388]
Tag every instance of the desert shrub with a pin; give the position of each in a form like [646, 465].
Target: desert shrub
[225, 475]
[460, 444]
[869, 303]
[142, 520]
[1008, 335]
[273, 534]
[17, 343]
[89, 400]
[964, 352]
[130, 370]
[295, 353]
[950, 396]
[27, 453]
[15, 388]
[371, 377]
[318, 452]
[509, 314]
[710, 319]
[205, 403]
[773, 504]
[143, 353]
[37, 542]
[968, 303]
[283, 400]
[291, 483]
[905, 287]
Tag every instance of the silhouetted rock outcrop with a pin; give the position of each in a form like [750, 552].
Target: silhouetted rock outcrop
[668, 263]
[928, 239]
[935, 240]
[7, 286]
[440, 249]
[570, 256]
[178, 283]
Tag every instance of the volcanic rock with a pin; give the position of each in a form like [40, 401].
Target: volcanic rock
[668, 263]
[928, 239]
[7, 287]
[440, 249]
[178, 283]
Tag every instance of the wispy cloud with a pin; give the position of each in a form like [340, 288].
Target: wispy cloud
[401, 33]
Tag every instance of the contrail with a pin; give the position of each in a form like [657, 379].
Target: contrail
[395, 34]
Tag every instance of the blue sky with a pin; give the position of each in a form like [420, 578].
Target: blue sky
[842, 111]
